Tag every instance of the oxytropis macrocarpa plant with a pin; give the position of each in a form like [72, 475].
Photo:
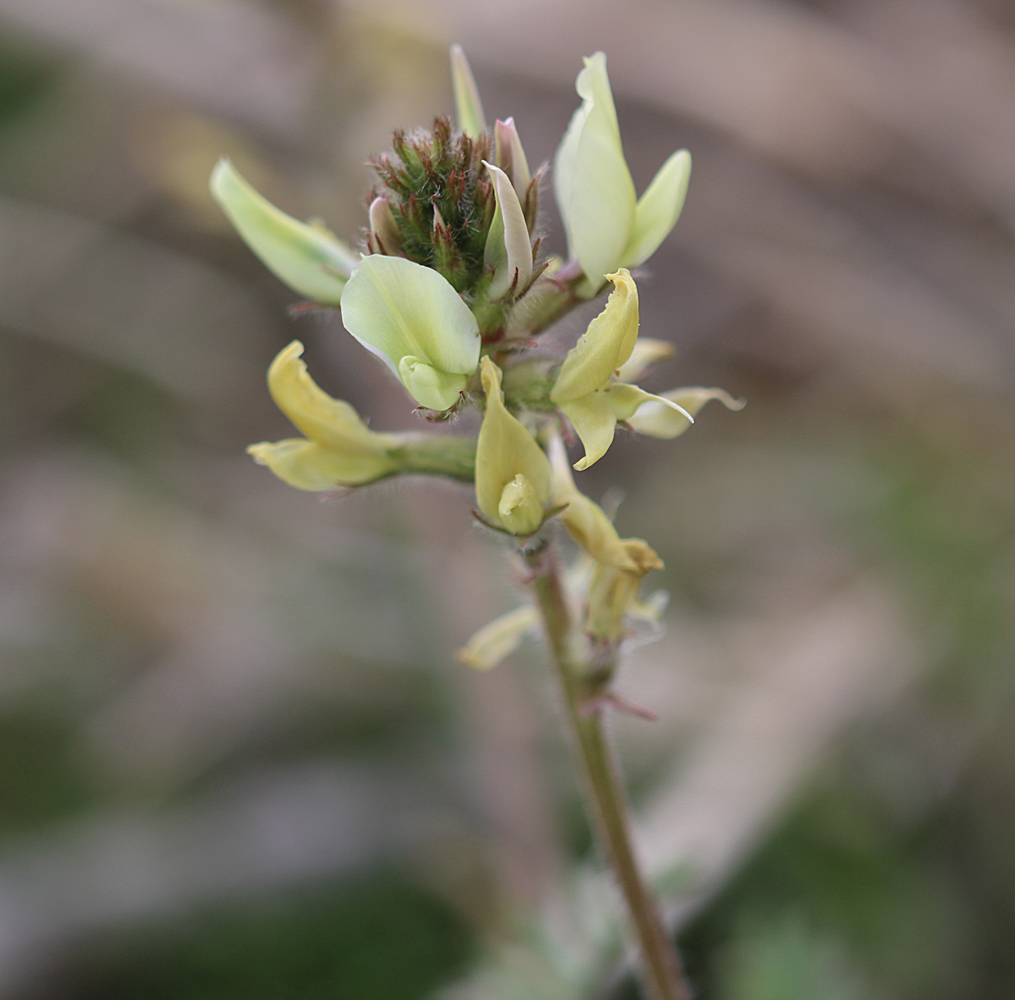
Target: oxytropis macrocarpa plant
[452, 294]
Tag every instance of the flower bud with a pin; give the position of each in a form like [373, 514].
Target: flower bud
[468, 106]
[508, 250]
[510, 157]
[384, 232]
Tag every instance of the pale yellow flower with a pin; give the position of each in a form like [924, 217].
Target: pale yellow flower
[512, 471]
[586, 390]
[607, 226]
[416, 323]
[589, 527]
[338, 450]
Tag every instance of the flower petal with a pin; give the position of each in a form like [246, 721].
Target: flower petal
[585, 520]
[308, 258]
[507, 246]
[613, 592]
[493, 642]
[595, 423]
[646, 353]
[521, 510]
[468, 106]
[310, 466]
[506, 450]
[605, 346]
[436, 390]
[658, 209]
[400, 309]
[625, 400]
[657, 418]
[593, 184]
[330, 422]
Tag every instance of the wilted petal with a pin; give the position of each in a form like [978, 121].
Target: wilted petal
[605, 346]
[512, 472]
[507, 246]
[310, 466]
[613, 592]
[308, 258]
[468, 106]
[402, 310]
[658, 209]
[592, 182]
[493, 642]
[657, 417]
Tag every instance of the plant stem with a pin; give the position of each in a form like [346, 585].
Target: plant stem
[606, 801]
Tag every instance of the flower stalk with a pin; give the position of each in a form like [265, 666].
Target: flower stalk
[583, 686]
[451, 295]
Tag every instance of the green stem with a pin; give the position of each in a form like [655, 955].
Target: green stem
[449, 455]
[607, 803]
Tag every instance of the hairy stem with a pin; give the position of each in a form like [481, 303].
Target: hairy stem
[448, 455]
[606, 801]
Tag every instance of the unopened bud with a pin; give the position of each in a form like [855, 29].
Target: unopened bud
[468, 106]
[510, 157]
[383, 228]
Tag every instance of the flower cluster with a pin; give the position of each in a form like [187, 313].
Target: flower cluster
[451, 295]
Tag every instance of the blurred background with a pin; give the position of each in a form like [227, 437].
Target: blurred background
[237, 757]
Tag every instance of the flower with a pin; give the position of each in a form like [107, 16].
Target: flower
[612, 597]
[416, 323]
[607, 227]
[338, 450]
[586, 391]
[589, 527]
[306, 256]
[512, 472]
[499, 639]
